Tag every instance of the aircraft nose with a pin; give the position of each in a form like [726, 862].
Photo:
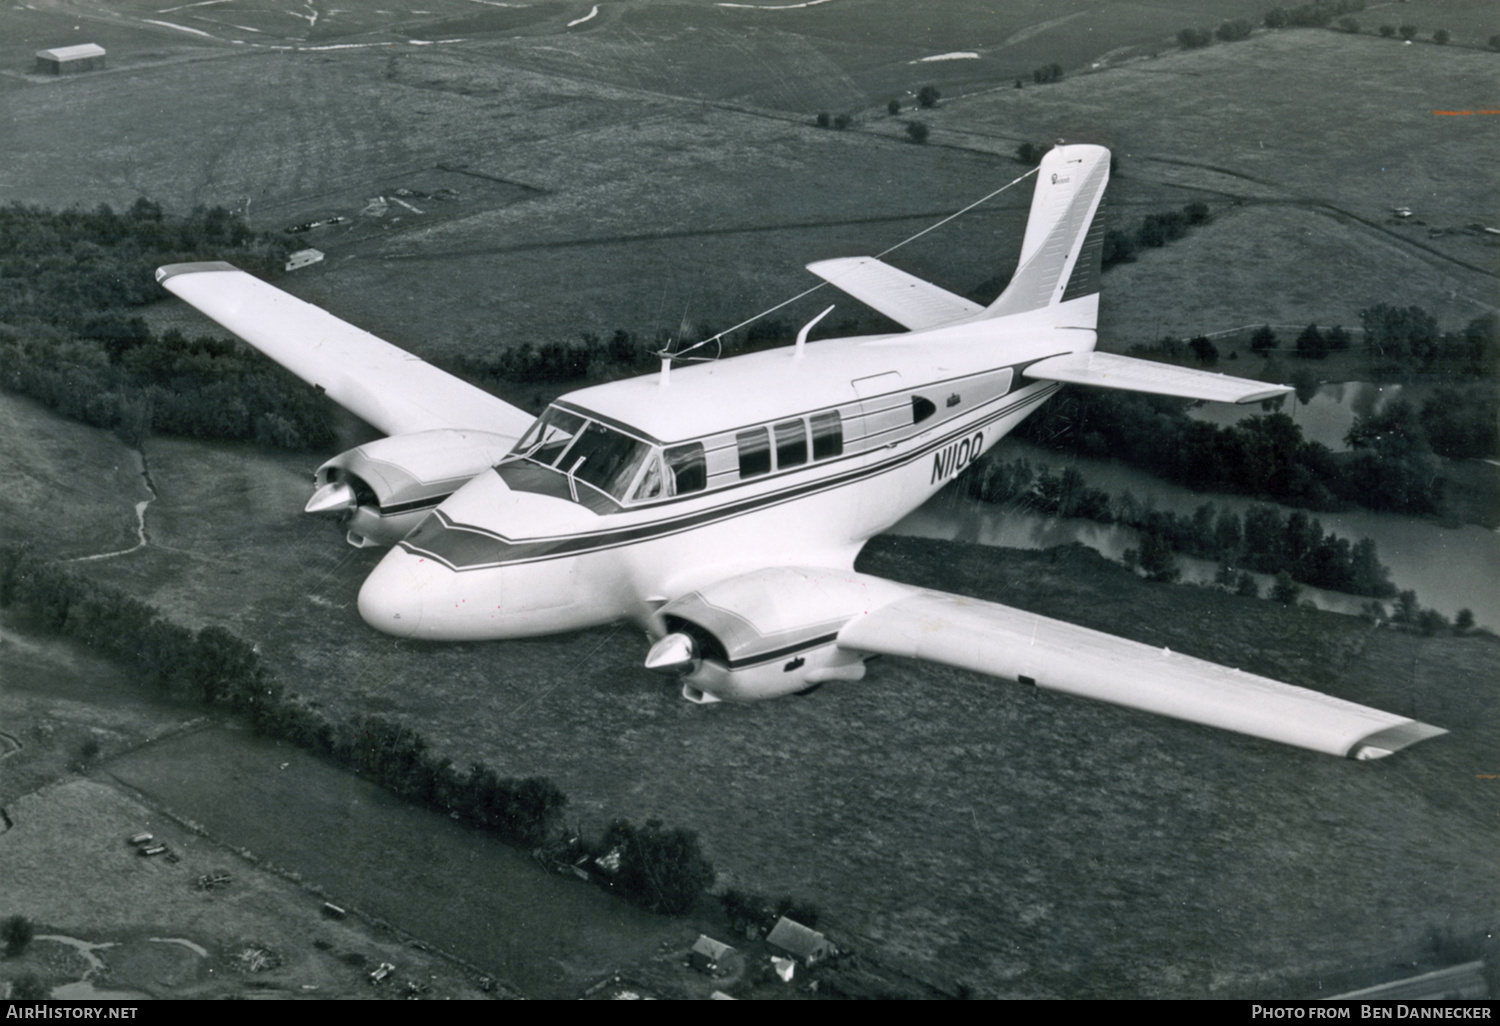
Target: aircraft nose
[392, 597]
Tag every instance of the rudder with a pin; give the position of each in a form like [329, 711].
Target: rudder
[1062, 252]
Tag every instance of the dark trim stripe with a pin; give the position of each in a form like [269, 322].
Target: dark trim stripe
[397, 508]
[463, 547]
[781, 653]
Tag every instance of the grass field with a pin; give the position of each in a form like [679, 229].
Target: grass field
[70, 870]
[640, 171]
[1024, 843]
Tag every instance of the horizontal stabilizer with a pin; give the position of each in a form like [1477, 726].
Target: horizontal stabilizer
[386, 387]
[907, 300]
[993, 639]
[1106, 370]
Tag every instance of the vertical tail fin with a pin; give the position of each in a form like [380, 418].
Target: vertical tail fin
[1064, 243]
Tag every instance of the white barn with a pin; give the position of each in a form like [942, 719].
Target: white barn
[67, 60]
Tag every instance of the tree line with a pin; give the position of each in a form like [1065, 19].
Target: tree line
[660, 868]
[1263, 456]
[1262, 541]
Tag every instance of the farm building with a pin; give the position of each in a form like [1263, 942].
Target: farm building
[66, 60]
[708, 954]
[800, 942]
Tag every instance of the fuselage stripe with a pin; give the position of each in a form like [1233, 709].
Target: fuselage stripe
[538, 549]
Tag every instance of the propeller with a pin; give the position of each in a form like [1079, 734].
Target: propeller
[675, 653]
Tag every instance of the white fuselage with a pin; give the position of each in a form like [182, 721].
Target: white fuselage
[521, 550]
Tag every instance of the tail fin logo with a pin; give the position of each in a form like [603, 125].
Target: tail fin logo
[1056, 179]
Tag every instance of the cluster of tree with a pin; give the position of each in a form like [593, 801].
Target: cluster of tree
[1494, 41]
[1311, 15]
[68, 282]
[133, 382]
[1199, 348]
[1459, 422]
[67, 267]
[928, 97]
[1404, 341]
[917, 132]
[1407, 613]
[16, 932]
[1262, 541]
[1031, 154]
[839, 121]
[1047, 73]
[1227, 32]
[1155, 230]
[754, 915]
[1264, 455]
[663, 870]
[1406, 31]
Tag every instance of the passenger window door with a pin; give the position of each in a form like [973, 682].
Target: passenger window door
[827, 435]
[755, 452]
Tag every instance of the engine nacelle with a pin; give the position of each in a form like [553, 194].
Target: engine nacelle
[382, 489]
[766, 633]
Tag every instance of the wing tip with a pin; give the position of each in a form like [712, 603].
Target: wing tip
[1271, 392]
[198, 267]
[1392, 739]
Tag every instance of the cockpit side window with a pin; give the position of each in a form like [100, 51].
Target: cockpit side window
[604, 458]
[687, 468]
[549, 437]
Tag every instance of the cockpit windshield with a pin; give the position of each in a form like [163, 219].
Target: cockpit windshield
[589, 451]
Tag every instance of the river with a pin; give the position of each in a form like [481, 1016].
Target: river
[1449, 568]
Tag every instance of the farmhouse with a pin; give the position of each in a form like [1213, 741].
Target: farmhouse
[707, 954]
[66, 60]
[800, 942]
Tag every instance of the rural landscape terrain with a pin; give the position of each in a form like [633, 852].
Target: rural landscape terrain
[480, 176]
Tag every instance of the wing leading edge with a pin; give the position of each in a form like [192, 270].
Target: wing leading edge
[1000, 641]
[387, 387]
[1126, 373]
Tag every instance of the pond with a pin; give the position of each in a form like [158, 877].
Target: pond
[1450, 568]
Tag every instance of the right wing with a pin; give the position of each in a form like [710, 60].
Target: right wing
[1107, 370]
[387, 387]
[993, 639]
[904, 298]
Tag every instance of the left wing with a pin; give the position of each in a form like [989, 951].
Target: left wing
[387, 387]
[990, 638]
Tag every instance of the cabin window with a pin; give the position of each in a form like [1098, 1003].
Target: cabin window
[687, 470]
[755, 452]
[827, 435]
[921, 409]
[791, 444]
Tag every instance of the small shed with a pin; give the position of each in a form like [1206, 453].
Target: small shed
[68, 60]
[707, 954]
[800, 942]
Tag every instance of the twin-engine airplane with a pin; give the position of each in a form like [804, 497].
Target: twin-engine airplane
[720, 506]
